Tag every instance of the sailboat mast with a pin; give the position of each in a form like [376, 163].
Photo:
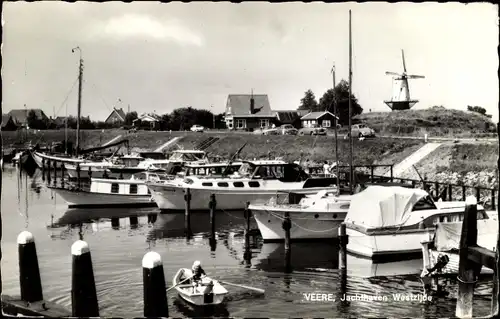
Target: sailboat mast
[351, 170]
[335, 129]
[80, 79]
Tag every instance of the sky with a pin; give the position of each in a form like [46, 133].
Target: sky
[156, 57]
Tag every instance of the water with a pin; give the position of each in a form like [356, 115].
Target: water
[117, 255]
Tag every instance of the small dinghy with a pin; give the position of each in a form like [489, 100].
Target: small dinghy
[207, 292]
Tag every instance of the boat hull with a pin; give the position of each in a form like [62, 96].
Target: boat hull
[172, 197]
[388, 246]
[83, 199]
[306, 224]
[39, 157]
[195, 295]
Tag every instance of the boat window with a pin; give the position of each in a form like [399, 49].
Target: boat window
[133, 188]
[114, 188]
[253, 184]
[238, 184]
[207, 184]
[424, 203]
[222, 184]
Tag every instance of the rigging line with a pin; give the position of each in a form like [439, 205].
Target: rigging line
[100, 94]
[26, 199]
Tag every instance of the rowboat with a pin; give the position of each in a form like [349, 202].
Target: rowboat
[204, 294]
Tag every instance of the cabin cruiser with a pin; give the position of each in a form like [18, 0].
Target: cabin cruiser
[108, 192]
[391, 222]
[254, 181]
[316, 216]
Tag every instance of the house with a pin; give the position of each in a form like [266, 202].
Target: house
[116, 117]
[248, 112]
[7, 123]
[322, 119]
[289, 117]
[60, 121]
[147, 121]
[20, 116]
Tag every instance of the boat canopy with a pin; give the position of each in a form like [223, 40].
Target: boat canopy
[379, 206]
[447, 236]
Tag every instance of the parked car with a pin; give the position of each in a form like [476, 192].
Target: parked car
[312, 130]
[362, 130]
[288, 129]
[197, 128]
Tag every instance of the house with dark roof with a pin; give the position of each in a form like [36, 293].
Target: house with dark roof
[60, 121]
[323, 119]
[289, 117]
[147, 121]
[7, 123]
[20, 116]
[117, 117]
[248, 112]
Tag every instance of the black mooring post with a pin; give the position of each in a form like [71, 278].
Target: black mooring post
[187, 213]
[83, 291]
[343, 240]
[29, 272]
[212, 205]
[155, 296]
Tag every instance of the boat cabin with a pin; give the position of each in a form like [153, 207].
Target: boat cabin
[129, 160]
[212, 169]
[283, 171]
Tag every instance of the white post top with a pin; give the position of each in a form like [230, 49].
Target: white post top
[471, 200]
[79, 248]
[151, 260]
[25, 237]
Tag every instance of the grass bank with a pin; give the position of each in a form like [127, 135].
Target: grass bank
[435, 121]
[314, 148]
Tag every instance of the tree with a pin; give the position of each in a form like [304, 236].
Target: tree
[308, 102]
[34, 122]
[130, 117]
[478, 109]
[341, 98]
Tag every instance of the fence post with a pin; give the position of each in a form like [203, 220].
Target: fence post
[155, 295]
[29, 272]
[83, 292]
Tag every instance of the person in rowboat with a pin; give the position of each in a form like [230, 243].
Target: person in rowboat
[198, 272]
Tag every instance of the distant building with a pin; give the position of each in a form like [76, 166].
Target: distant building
[7, 123]
[20, 116]
[60, 121]
[322, 119]
[117, 117]
[148, 121]
[248, 112]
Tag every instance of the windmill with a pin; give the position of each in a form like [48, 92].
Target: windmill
[401, 91]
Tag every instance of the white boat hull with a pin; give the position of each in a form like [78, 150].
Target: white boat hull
[90, 199]
[172, 197]
[38, 157]
[306, 224]
[195, 294]
[391, 244]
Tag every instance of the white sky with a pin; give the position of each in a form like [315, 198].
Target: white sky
[157, 56]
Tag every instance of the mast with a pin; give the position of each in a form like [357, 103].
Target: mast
[351, 171]
[80, 79]
[335, 129]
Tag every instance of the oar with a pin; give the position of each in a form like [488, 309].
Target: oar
[178, 284]
[242, 286]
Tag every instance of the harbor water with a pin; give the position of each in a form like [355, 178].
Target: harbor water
[117, 252]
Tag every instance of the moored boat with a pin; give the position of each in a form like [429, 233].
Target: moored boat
[389, 223]
[207, 292]
[314, 217]
[254, 181]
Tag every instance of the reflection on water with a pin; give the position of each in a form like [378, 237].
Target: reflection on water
[119, 238]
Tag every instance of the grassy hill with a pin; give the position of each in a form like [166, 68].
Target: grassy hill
[436, 121]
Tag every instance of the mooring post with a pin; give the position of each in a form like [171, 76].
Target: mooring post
[134, 221]
[478, 194]
[413, 184]
[247, 254]
[212, 205]
[83, 292]
[78, 174]
[467, 269]
[493, 199]
[63, 169]
[187, 213]
[29, 272]
[43, 169]
[121, 175]
[343, 239]
[287, 225]
[464, 193]
[436, 186]
[115, 223]
[155, 295]
[90, 172]
[392, 173]
[450, 192]
[55, 173]
[48, 172]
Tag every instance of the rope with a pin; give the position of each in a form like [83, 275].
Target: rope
[466, 282]
[100, 94]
